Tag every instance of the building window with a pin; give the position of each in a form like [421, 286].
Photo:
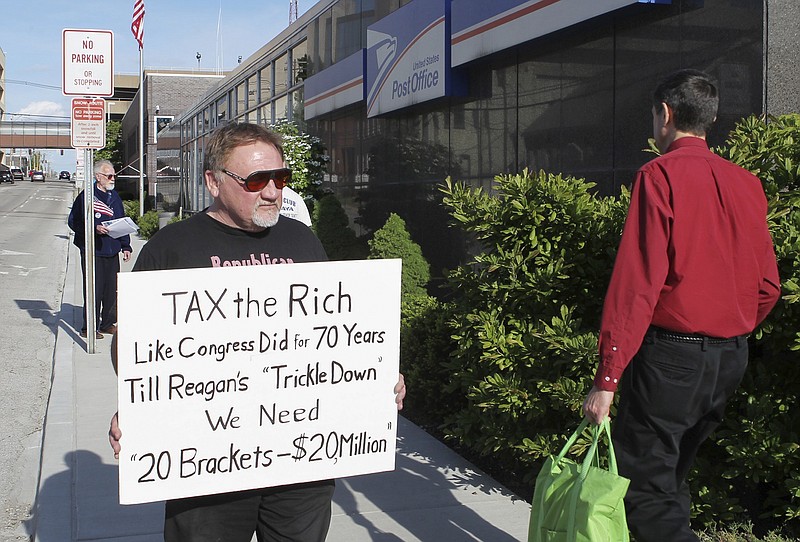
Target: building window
[241, 99]
[320, 42]
[299, 63]
[282, 73]
[346, 39]
[282, 108]
[298, 114]
[265, 76]
[222, 109]
[252, 91]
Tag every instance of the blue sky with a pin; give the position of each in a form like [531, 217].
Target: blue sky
[174, 32]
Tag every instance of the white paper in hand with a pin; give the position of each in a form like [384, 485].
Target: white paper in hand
[121, 226]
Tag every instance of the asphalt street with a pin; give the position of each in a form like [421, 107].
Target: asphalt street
[33, 247]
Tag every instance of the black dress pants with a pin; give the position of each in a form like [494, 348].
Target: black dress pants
[106, 269]
[292, 513]
[672, 397]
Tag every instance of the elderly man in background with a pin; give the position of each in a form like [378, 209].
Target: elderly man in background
[106, 205]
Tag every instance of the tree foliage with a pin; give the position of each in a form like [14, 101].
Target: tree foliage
[527, 308]
[331, 224]
[305, 156]
[394, 241]
[113, 149]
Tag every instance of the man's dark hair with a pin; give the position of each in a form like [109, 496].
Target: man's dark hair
[230, 136]
[692, 95]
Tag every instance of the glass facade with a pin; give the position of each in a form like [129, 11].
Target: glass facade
[576, 102]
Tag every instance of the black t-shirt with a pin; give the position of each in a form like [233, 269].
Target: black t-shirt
[201, 241]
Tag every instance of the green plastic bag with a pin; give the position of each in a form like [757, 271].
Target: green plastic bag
[580, 502]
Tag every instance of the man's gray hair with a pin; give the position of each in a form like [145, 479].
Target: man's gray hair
[99, 165]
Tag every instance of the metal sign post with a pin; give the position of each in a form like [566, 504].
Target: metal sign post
[88, 251]
[88, 71]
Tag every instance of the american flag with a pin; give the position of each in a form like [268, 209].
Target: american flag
[137, 26]
[102, 208]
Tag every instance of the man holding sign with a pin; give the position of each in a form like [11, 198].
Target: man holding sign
[245, 174]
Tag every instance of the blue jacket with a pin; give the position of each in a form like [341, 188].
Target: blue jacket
[107, 206]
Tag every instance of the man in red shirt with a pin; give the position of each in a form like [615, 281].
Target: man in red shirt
[695, 274]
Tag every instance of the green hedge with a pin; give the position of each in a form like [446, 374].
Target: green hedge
[148, 224]
[331, 224]
[503, 367]
[527, 311]
[394, 241]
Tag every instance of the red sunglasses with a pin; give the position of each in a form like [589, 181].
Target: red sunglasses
[258, 180]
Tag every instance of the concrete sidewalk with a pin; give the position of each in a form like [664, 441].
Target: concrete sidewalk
[433, 494]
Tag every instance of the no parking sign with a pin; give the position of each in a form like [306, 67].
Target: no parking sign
[88, 68]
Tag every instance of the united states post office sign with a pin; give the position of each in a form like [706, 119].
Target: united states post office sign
[408, 57]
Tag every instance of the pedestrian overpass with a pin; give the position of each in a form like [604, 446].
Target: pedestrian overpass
[35, 135]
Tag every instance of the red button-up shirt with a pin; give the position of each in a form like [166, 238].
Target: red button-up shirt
[696, 256]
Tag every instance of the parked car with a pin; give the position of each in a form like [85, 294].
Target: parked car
[64, 175]
[5, 176]
[37, 176]
[17, 174]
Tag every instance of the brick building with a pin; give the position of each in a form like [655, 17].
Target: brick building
[168, 93]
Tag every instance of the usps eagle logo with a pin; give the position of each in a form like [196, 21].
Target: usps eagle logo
[385, 47]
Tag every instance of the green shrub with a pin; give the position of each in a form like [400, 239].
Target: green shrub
[131, 208]
[330, 223]
[425, 347]
[738, 532]
[148, 224]
[527, 311]
[394, 241]
[304, 155]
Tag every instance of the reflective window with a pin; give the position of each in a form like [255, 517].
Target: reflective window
[252, 91]
[319, 37]
[368, 16]
[241, 99]
[265, 76]
[385, 7]
[346, 15]
[299, 63]
[266, 114]
[566, 102]
[298, 114]
[343, 163]
[486, 138]
[281, 108]
[222, 109]
[281, 73]
[206, 120]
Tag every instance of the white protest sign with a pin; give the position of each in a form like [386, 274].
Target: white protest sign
[256, 376]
